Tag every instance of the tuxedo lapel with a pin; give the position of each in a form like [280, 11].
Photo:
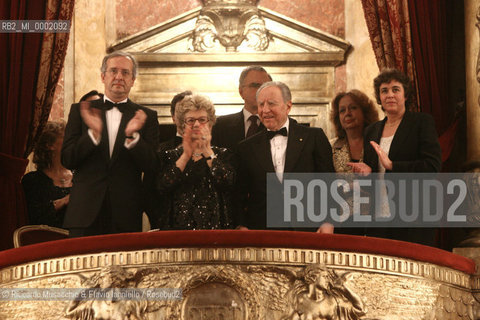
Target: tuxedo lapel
[238, 127]
[104, 144]
[295, 144]
[120, 139]
[401, 135]
[376, 135]
[262, 153]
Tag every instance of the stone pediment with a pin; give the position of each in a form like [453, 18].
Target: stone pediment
[284, 35]
[205, 50]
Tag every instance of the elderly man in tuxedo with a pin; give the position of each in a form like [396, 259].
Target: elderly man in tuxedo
[285, 146]
[229, 130]
[109, 143]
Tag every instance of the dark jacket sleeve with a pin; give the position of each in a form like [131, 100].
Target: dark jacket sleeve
[144, 152]
[223, 169]
[429, 153]
[77, 144]
[323, 153]
[241, 187]
[418, 150]
[39, 205]
[39, 194]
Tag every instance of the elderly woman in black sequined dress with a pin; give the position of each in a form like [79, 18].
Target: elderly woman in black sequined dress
[197, 177]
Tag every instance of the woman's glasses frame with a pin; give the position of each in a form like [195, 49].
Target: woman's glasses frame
[191, 121]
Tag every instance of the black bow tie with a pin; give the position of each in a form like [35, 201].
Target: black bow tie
[120, 106]
[271, 134]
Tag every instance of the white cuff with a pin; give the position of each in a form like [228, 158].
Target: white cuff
[95, 141]
[133, 143]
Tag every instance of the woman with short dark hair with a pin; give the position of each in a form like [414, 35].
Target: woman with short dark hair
[402, 142]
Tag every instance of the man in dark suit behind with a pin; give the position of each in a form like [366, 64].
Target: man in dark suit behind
[286, 146]
[109, 143]
[229, 130]
[177, 140]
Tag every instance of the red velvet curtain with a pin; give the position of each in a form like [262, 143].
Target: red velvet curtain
[411, 36]
[388, 24]
[30, 64]
[429, 36]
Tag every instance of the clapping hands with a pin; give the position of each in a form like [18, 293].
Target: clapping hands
[136, 123]
[92, 118]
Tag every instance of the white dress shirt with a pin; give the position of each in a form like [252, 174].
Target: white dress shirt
[385, 144]
[278, 147]
[113, 118]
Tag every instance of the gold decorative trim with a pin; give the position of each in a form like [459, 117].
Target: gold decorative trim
[279, 256]
[19, 232]
[243, 283]
[477, 24]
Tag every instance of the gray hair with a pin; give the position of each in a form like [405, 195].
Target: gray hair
[245, 72]
[286, 94]
[177, 98]
[127, 55]
[193, 103]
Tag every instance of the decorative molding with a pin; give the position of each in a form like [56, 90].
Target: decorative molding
[245, 283]
[477, 24]
[230, 23]
[288, 257]
[266, 32]
[242, 284]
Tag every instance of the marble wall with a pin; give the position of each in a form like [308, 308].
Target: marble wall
[58, 112]
[472, 26]
[87, 46]
[326, 15]
[132, 17]
[361, 67]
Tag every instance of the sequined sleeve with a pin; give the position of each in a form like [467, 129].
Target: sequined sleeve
[222, 171]
[200, 196]
[223, 168]
[170, 176]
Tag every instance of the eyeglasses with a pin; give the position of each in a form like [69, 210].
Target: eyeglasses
[191, 121]
[114, 71]
[253, 85]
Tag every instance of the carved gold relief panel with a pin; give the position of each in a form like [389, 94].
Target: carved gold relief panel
[246, 283]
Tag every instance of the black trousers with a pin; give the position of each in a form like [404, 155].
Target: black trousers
[103, 224]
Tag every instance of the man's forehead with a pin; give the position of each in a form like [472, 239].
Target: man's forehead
[255, 74]
[270, 98]
[120, 60]
[270, 91]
